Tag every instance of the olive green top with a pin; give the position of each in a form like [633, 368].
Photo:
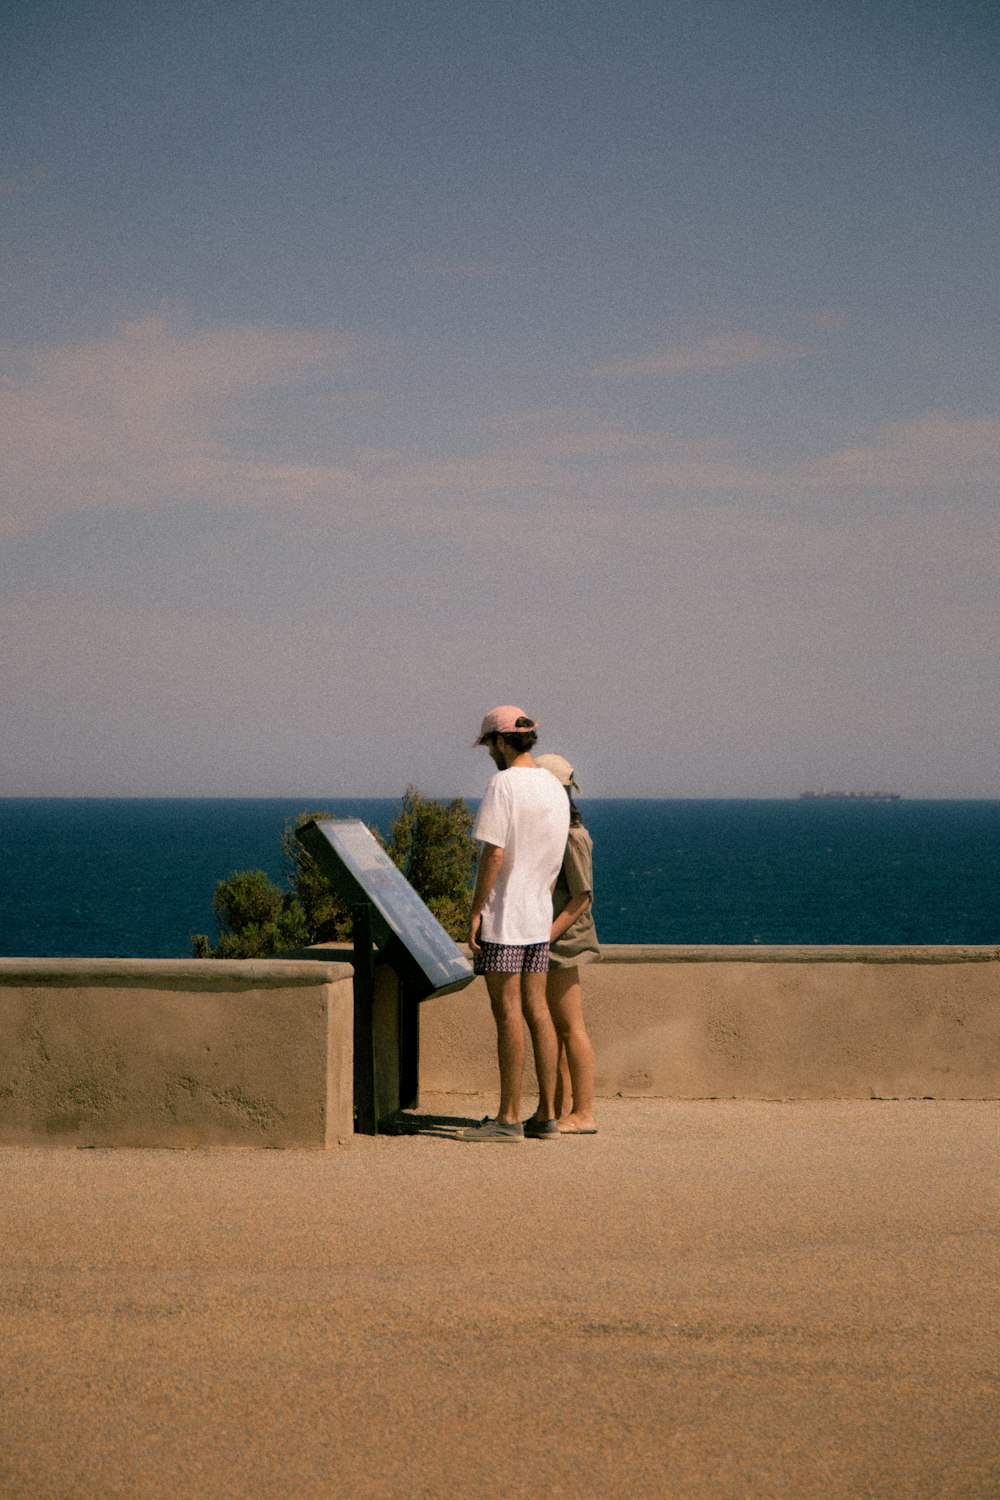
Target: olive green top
[578, 944]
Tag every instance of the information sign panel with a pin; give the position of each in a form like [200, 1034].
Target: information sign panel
[409, 937]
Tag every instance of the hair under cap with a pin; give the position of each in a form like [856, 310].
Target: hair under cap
[503, 720]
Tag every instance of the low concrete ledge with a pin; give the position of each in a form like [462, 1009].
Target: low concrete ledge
[176, 1052]
[649, 953]
[760, 1023]
[191, 974]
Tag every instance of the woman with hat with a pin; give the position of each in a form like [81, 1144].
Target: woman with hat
[573, 942]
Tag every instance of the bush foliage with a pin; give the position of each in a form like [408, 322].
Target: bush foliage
[256, 919]
[430, 841]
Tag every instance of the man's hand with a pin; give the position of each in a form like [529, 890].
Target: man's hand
[474, 925]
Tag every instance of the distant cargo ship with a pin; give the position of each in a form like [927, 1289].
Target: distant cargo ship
[822, 794]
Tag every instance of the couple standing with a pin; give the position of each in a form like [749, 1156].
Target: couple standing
[535, 862]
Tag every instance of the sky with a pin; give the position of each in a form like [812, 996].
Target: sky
[366, 365]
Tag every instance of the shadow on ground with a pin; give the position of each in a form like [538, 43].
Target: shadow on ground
[412, 1122]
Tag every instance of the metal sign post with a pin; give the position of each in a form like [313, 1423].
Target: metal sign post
[365, 1100]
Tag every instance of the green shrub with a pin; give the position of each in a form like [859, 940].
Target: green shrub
[430, 841]
[327, 917]
[256, 919]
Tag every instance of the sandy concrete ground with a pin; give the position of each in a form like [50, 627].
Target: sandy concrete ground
[705, 1300]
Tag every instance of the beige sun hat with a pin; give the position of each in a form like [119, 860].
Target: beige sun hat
[560, 768]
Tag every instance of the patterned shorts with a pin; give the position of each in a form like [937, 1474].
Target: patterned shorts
[506, 958]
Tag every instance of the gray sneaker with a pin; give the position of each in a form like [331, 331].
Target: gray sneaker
[492, 1130]
[541, 1130]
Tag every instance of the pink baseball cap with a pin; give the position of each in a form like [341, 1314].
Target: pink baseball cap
[503, 720]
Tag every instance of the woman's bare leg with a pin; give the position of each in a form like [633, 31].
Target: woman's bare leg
[565, 999]
[564, 1085]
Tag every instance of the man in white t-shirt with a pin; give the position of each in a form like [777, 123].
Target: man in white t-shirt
[522, 824]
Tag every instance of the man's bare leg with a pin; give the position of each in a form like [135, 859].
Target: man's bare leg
[544, 1043]
[505, 1001]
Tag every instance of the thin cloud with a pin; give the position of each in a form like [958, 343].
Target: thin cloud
[567, 432]
[12, 527]
[158, 413]
[462, 270]
[724, 351]
[143, 416]
[826, 319]
[528, 420]
[25, 182]
[935, 451]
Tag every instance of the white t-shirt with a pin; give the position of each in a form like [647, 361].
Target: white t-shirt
[524, 812]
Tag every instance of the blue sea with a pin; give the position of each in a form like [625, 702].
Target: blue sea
[135, 878]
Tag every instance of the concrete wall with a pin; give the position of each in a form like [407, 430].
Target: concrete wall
[183, 1052]
[760, 1023]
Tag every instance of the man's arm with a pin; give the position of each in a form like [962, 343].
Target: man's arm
[490, 861]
